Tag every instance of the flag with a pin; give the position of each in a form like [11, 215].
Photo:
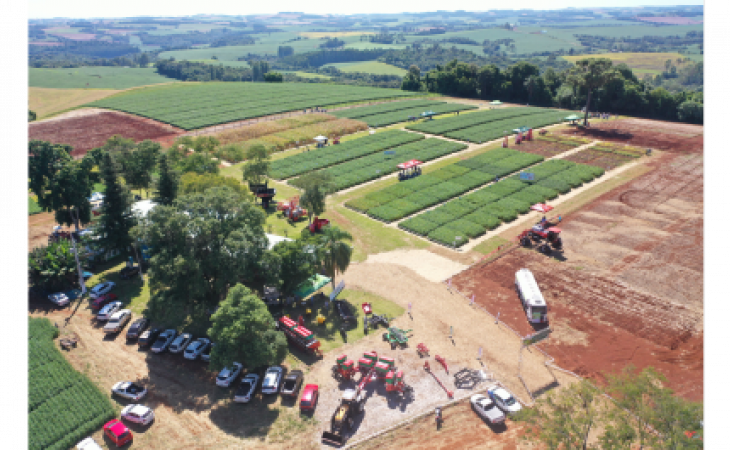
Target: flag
[472, 299]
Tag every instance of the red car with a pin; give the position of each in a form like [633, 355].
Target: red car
[103, 300]
[309, 397]
[117, 432]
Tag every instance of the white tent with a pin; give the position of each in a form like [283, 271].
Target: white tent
[143, 207]
[274, 239]
[320, 138]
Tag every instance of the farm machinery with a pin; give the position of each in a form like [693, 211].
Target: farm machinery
[264, 192]
[317, 225]
[291, 209]
[299, 336]
[545, 234]
[396, 336]
[372, 320]
[371, 367]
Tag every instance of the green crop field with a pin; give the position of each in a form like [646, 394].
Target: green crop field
[63, 405]
[191, 106]
[394, 112]
[375, 67]
[98, 77]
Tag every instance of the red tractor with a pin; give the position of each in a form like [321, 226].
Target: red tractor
[291, 209]
[317, 224]
[545, 235]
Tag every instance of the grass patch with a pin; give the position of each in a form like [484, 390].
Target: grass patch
[490, 245]
[33, 207]
[97, 77]
[47, 101]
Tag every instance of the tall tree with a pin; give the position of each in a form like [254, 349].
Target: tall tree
[200, 246]
[636, 393]
[31, 116]
[198, 162]
[334, 251]
[256, 169]
[530, 84]
[167, 184]
[290, 263]
[316, 186]
[60, 183]
[53, 267]
[244, 331]
[591, 74]
[192, 182]
[140, 163]
[117, 219]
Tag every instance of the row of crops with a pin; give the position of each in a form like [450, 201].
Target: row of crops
[443, 126]
[410, 196]
[200, 105]
[371, 167]
[375, 118]
[472, 215]
[495, 130]
[334, 154]
[63, 405]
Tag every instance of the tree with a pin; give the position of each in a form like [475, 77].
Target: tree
[139, 164]
[31, 116]
[244, 331]
[690, 111]
[273, 77]
[565, 419]
[192, 182]
[53, 267]
[200, 246]
[60, 183]
[335, 254]
[316, 186]
[116, 219]
[530, 84]
[167, 184]
[199, 163]
[591, 74]
[412, 79]
[291, 263]
[256, 168]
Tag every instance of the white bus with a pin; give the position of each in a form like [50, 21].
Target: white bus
[532, 300]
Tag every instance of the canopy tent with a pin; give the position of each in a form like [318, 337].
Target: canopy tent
[320, 138]
[428, 114]
[310, 285]
[495, 103]
[521, 130]
[572, 117]
[541, 207]
[409, 164]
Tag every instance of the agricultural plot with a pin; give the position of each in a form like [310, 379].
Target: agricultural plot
[374, 67]
[375, 165]
[606, 156]
[63, 405]
[494, 130]
[408, 197]
[383, 108]
[335, 154]
[192, 106]
[468, 217]
[97, 77]
[443, 126]
[549, 146]
[385, 119]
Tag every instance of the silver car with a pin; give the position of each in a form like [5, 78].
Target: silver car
[101, 289]
[118, 321]
[59, 298]
[108, 310]
[194, 350]
[485, 407]
[180, 343]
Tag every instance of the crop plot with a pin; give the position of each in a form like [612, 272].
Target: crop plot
[549, 146]
[90, 131]
[63, 405]
[385, 118]
[606, 156]
[443, 126]
[363, 111]
[201, 105]
[335, 154]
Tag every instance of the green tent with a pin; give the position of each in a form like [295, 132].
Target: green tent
[311, 284]
[521, 130]
[572, 117]
[495, 103]
[428, 114]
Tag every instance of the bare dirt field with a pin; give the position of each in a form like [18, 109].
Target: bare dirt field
[90, 131]
[39, 227]
[678, 137]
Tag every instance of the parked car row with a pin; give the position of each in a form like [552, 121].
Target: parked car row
[493, 406]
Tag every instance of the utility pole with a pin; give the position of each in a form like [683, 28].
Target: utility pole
[76, 256]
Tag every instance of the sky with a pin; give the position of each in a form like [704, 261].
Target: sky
[42, 9]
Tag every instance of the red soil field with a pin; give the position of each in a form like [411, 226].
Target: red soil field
[645, 133]
[90, 131]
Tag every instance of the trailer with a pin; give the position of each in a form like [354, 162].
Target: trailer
[531, 297]
[299, 336]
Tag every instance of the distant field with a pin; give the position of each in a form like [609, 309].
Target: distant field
[332, 34]
[644, 62]
[94, 77]
[224, 63]
[305, 74]
[372, 45]
[192, 106]
[46, 101]
[374, 67]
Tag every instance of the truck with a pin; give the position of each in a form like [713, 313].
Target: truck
[532, 300]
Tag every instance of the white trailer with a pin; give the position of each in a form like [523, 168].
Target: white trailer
[532, 299]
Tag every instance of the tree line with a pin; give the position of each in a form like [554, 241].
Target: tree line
[622, 92]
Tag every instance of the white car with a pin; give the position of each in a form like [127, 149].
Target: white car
[180, 343]
[246, 388]
[138, 414]
[117, 321]
[504, 400]
[228, 374]
[88, 444]
[129, 390]
[194, 350]
[59, 298]
[96, 196]
[485, 407]
[108, 310]
[101, 289]
[272, 380]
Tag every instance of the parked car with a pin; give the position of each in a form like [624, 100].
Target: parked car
[149, 336]
[102, 300]
[117, 432]
[197, 347]
[291, 384]
[129, 390]
[247, 388]
[504, 400]
[140, 414]
[101, 289]
[137, 328]
[59, 298]
[118, 321]
[88, 444]
[205, 356]
[485, 407]
[309, 397]
[228, 374]
[107, 311]
[272, 380]
[163, 341]
[344, 311]
[180, 343]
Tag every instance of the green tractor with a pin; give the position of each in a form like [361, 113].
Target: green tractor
[396, 336]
